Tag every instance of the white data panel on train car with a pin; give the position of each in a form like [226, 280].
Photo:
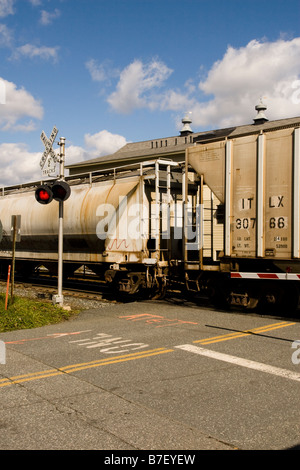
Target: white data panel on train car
[244, 197]
[278, 194]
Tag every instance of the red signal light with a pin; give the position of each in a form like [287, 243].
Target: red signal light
[43, 194]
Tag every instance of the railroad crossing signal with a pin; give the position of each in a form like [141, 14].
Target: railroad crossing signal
[60, 191]
[49, 152]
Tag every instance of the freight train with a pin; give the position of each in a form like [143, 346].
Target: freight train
[224, 223]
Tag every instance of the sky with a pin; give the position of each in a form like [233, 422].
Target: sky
[106, 73]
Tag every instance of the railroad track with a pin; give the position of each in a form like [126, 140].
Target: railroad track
[78, 288]
[44, 287]
[82, 294]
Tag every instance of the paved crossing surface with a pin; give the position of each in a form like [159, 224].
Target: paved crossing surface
[153, 376]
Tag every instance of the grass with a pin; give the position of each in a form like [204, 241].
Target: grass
[25, 313]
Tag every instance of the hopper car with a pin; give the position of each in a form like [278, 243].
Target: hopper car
[256, 179]
[224, 223]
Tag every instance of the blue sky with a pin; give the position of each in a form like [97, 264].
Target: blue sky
[107, 73]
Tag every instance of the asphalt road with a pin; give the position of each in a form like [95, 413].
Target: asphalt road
[153, 376]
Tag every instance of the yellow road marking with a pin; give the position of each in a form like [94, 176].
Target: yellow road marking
[29, 375]
[254, 331]
[130, 357]
[85, 365]
[109, 359]
[115, 361]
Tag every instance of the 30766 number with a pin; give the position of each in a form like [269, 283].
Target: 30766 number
[247, 223]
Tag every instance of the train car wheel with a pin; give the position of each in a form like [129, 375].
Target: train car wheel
[280, 299]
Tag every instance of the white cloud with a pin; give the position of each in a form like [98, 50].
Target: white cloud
[18, 164]
[17, 105]
[101, 72]
[48, 17]
[229, 92]
[5, 36]
[31, 51]
[175, 101]
[136, 85]
[96, 145]
[97, 71]
[6, 8]
[235, 83]
[35, 2]
[104, 143]
[76, 154]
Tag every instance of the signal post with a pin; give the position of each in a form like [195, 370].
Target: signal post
[59, 297]
[59, 191]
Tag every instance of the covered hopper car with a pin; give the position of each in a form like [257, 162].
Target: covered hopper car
[256, 177]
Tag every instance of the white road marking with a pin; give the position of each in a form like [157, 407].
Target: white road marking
[287, 374]
[107, 343]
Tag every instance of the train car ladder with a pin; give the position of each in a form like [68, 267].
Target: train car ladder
[193, 225]
[160, 251]
[160, 189]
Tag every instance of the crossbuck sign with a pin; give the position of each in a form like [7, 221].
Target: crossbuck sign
[49, 153]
